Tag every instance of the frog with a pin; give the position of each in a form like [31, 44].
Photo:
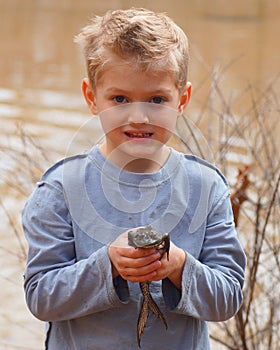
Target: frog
[147, 237]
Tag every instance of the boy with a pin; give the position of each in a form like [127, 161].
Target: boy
[81, 271]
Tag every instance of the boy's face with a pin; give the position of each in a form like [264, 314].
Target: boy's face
[138, 110]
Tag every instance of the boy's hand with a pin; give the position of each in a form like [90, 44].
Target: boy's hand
[172, 268]
[144, 264]
[134, 265]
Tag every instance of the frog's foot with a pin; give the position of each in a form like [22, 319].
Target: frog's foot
[164, 246]
[147, 304]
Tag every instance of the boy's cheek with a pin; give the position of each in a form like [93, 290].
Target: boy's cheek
[110, 124]
[112, 118]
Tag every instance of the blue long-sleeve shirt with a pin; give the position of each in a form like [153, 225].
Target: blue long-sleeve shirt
[81, 205]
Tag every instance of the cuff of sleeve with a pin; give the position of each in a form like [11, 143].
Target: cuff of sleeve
[117, 289]
[187, 276]
[121, 288]
[171, 294]
[175, 299]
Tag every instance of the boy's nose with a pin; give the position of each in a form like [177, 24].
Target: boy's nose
[138, 114]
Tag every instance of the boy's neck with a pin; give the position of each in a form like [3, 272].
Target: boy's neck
[144, 166]
[138, 165]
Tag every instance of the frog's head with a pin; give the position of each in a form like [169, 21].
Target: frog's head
[147, 237]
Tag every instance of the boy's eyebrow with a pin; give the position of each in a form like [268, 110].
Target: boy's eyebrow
[159, 90]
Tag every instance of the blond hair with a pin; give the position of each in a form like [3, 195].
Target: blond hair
[151, 40]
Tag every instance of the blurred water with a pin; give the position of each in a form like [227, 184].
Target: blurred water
[40, 78]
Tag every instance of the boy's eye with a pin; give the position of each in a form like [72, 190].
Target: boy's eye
[157, 100]
[120, 99]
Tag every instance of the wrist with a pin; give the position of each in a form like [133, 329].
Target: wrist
[178, 260]
[114, 270]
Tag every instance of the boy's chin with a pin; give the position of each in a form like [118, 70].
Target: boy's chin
[141, 151]
[138, 159]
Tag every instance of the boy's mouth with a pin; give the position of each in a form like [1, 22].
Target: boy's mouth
[138, 134]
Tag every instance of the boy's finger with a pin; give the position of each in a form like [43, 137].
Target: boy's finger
[142, 273]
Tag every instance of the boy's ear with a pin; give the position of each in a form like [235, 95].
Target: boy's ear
[185, 98]
[89, 95]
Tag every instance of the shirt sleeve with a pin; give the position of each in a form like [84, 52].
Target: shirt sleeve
[57, 286]
[212, 284]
